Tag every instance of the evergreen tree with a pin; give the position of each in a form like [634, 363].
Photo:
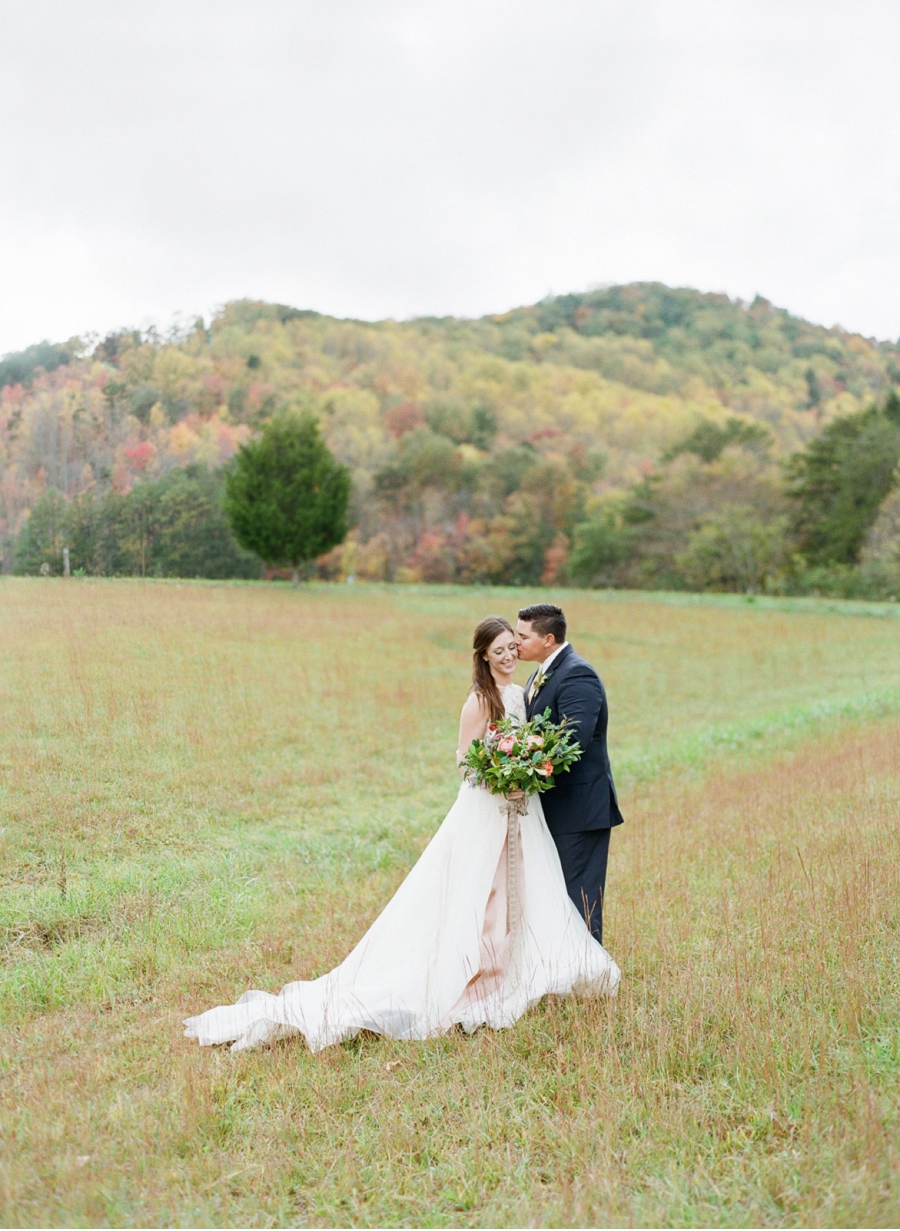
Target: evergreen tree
[841, 479]
[286, 496]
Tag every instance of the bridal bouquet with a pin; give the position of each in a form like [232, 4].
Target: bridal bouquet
[520, 756]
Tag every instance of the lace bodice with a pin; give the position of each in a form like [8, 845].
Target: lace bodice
[514, 700]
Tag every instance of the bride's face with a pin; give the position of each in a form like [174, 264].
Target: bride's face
[503, 656]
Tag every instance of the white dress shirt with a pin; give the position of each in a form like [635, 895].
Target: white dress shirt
[545, 665]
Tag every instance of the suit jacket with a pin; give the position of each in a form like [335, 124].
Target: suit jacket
[584, 797]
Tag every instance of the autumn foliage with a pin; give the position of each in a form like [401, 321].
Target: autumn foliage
[616, 437]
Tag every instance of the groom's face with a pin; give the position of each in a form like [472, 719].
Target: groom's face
[534, 647]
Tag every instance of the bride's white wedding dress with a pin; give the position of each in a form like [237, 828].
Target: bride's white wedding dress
[439, 954]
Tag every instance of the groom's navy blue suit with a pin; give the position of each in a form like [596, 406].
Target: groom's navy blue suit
[581, 807]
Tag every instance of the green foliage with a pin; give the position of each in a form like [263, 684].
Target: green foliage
[116, 344]
[659, 338]
[193, 537]
[423, 459]
[484, 426]
[521, 756]
[520, 539]
[883, 539]
[891, 407]
[709, 439]
[660, 515]
[872, 580]
[462, 422]
[528, 538]
[19, 367]
[734, 550]
[504, 471]
[813, 387]
[174, 527]
[840, 481]
[43, 536]
[286, 495]
[601, 546]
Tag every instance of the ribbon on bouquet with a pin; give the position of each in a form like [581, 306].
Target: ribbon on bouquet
[514, 809]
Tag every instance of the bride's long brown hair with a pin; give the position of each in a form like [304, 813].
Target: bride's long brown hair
[483, 683]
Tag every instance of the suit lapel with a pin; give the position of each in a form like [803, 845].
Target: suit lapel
[527, 686]
[555, 668]
[544, 696]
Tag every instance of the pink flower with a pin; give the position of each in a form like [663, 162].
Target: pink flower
[507, 743]
[535, 741]
[546, 769]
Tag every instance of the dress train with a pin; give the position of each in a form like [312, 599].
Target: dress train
[439, 955]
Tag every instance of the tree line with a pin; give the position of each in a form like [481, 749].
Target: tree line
[715, 515]
[635, 436]
[718, 514]
[281, 504]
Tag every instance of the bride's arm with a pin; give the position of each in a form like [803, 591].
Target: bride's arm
[472, 723]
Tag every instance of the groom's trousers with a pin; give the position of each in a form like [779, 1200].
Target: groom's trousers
[583, 857]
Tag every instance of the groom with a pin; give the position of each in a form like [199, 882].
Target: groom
[581, 807]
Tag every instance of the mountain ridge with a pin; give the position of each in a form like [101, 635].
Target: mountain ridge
[537, 412]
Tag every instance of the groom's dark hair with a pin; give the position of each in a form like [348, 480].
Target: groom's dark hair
[544, 618]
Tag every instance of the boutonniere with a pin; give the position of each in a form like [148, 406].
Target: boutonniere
[540, 680]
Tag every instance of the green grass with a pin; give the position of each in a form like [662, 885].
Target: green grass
[206, 787]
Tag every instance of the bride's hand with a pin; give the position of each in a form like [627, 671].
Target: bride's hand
[516, 795]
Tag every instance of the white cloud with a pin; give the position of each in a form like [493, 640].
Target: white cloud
[378, 158]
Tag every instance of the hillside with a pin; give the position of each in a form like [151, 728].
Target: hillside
[476, 445]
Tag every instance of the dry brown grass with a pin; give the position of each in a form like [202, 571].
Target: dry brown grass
[163, 762]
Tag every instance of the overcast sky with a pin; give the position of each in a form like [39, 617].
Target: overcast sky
[377, 158]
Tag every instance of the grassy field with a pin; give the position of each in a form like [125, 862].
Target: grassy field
[206, 787]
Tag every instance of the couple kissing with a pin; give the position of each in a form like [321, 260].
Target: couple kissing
[445, 953]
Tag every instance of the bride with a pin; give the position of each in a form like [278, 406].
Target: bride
[443, 953]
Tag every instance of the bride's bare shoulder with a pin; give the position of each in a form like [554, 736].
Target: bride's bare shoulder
[473, 705]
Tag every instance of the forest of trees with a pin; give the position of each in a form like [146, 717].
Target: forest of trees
[631, 436]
